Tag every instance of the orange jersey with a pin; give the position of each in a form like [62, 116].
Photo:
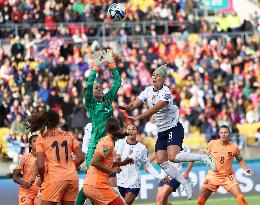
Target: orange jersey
[223, 156]
[27, 164]
[57, 147]
[96, 177]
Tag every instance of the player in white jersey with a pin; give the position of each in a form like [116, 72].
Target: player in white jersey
[129, 179]
[170, 131]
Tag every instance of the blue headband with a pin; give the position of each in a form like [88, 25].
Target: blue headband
[161, 71]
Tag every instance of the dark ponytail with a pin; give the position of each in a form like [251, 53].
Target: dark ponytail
[38, 121]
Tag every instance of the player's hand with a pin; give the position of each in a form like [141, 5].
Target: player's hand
[122, 107]
[166, 179]
[108, 56]
[185, 175]
[27, 185]
[250, 171]
[116, 169]
[134, 117]
[127, 161]
[98, 58]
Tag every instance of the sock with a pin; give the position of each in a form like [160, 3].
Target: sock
[81, 198]
[188, 157]
[201, 201]
[241, 199]
[170, 170]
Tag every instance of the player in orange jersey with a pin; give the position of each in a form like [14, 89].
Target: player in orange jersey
[29, 184]
[55, 147]
[96, 186]
[223, 152]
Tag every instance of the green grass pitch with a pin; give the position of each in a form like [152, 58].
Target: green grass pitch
[252, 200]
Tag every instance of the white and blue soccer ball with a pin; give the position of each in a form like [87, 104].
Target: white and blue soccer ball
[116, 12]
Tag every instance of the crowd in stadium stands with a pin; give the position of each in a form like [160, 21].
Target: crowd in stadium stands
[179, 14]
[214, 82]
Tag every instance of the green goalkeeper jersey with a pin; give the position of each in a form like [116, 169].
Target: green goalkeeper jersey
[99, 111]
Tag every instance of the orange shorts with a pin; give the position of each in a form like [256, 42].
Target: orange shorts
[27, 200]
[100, 196]
[60, 191]
[214, 182]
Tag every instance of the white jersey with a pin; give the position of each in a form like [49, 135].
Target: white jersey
[130, 176]
[166, 117]
[86, 138]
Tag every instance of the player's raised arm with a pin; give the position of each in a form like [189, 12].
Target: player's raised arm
[152, 110]
[109, 60]
[242, 163]
[131, 106]
[91, 79]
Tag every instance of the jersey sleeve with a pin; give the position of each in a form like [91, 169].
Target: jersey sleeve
[112, 93]
[237, 150]
[104, 149]
[39, 145]
[165, 95]
[89, 91]
[143, 95]
[119, 146]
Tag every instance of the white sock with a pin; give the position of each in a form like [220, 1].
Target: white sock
[187, 157]
[170, 170]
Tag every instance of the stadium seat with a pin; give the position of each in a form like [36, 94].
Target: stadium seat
[3, 132]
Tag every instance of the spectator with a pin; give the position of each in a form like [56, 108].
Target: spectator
[14, 147]
[17, 126]
[211, 130]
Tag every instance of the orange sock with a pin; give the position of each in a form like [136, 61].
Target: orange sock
[201, 201]
[241, 199]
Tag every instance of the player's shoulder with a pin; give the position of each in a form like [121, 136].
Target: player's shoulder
[25, 158]
[106, 141]
[148, 89]
[140, 146]
[214, 142]
[120, 142]
[233, 145]
[166, 89]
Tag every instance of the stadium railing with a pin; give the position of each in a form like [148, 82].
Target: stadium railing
[165, 27]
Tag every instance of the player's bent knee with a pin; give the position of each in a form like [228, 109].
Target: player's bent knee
[172, 158]
[241, 199]
[201, 201]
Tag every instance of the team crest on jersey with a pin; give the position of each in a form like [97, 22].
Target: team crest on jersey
[105, 150]
[167, 96]
[130, 151]
[230, 154]
[154, 97]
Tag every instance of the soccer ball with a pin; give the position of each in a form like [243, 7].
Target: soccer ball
[116, 12]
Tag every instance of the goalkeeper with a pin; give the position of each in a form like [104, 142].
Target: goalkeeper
[99, 105]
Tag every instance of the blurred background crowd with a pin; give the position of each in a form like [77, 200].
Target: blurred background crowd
[213, 75]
